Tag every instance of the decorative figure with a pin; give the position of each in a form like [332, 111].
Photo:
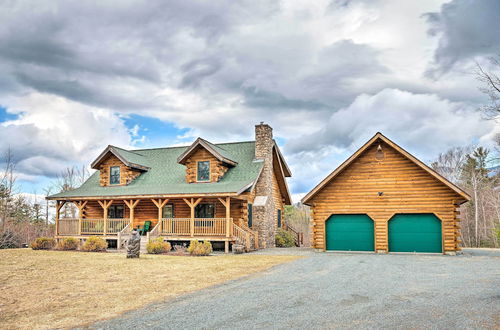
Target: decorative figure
[134, 245]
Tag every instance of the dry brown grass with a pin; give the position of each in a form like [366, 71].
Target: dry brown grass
[59, 289]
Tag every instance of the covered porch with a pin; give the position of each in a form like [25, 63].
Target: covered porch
[202, 218]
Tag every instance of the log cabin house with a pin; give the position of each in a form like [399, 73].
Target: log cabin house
[384, 199]
[228, 192]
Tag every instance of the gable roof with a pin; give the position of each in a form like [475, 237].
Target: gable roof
[167, 177]
[218, 152]
[370, 142]
[286, 170]
[129, 158]
[279, 167]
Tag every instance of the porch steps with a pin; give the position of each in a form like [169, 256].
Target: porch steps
[144, 242]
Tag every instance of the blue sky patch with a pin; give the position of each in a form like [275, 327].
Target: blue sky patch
[154, 133]
[5, 116]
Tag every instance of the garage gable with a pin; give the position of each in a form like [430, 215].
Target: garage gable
[379, 161]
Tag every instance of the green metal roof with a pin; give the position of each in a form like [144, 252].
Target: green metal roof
[132, 157]
[223, 152]
[166, 176]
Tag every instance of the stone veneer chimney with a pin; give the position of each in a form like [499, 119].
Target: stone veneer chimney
[263, 207]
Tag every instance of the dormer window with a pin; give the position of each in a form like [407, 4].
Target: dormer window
[114, 175]
[203, 171]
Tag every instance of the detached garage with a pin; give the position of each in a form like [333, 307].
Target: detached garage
[384, 199]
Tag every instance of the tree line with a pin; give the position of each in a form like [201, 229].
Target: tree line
[472, 169]
[24, 217]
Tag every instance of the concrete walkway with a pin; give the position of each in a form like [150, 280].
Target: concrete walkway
[329, 290]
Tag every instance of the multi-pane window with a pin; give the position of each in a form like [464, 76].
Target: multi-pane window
[204, 211]
[168, 211]
[114, 175]
[203, 171]
[115, 212]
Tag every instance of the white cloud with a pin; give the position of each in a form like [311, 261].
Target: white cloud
[52, 132]
[416, 120]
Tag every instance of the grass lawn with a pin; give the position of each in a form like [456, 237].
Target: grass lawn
[57, 289]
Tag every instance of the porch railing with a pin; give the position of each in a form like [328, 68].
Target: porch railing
[168, 226]
[246, 237]
[155, 232]
[197, 226]
[116, 225]
[176, 226]
[91, 226]
[68, 226]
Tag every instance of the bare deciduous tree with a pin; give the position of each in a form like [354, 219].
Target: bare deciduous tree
[449, 164]
[69, 179]
[7, 186]
[491, 86]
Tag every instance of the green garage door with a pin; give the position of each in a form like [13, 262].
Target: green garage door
[349, 232]
[415, 233]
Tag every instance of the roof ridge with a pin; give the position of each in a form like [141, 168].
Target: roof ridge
[186, 146]
[132, 151]
[213, 144]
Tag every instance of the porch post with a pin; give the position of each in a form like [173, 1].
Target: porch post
[59, 205]
[191, 223]
[160, 204]
[228, 217]
[105, 205]
[81, 205]
[227, 204]
[192, 205]
[131, 205]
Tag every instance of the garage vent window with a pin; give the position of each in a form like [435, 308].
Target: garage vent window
[379, 155]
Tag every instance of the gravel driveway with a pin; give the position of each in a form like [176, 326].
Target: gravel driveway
[327, 290]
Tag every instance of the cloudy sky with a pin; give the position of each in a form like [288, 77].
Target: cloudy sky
[76, 76]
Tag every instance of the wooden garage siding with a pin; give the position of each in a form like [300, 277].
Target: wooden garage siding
[406, 188]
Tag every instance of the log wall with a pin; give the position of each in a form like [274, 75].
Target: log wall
[127, 174]
[278, 200]
[217, 169]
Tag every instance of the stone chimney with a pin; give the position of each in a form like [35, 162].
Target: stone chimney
[263, 140]
[263, 207]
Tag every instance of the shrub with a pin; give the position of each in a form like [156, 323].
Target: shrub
[9, 240]
[95, 244]
[43, 243]
[284, 238]
[200, 248]
[158, 246]
[68, 243]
